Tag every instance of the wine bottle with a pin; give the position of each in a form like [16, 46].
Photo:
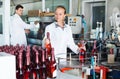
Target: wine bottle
[52, 65]
[47, 62]
[33, 55]
[48, 44]
[27, 74]
[19, 73]
[16, 53]
[43, 66]
[36, 70]
[94, 50]
[82, 51]
[94, 53]
[24, 54]
[40, 54]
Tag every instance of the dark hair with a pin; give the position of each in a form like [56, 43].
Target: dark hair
[60, 6]
[18, 6]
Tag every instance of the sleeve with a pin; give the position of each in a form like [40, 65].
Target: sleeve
[71, 44]
[25, 25]
[46, 30]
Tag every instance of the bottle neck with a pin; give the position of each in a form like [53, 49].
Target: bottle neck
[28, 58]
[43, 56]
[20, 60]
[28, 55]
[53, 56]
[37, 58]
[46, 54]
[48, 36]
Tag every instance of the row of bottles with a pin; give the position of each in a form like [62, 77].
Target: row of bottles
[32, 62]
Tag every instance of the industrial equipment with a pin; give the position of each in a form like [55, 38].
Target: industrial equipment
[36, 35]
[115, 23]
[75, 23]
[99, 30]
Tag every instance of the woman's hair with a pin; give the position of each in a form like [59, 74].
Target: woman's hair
[60, 6]
[18, 6]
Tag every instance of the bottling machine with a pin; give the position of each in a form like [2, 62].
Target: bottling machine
[36, 35]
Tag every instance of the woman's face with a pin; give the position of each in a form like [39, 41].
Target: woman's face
[19, 11]
[60, 14]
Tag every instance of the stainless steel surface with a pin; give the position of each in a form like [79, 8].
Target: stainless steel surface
[75, 66]
[47, 19]
[61, 75]
[111, 64]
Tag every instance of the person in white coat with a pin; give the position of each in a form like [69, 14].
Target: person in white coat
[60, 35]
[18, 26]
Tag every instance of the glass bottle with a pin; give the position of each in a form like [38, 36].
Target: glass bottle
[82, 51]
[53, 71]
[48, 44]
[27, 74]
[36, 70]
[94, 50]
[94, 53]
[43, 66]
[20, 73]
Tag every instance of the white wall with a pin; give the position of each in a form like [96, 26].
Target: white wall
[5, 11]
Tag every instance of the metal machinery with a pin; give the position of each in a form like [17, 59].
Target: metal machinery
[75, 22]
[105, 69]
[109, 64]
[115, 23]
[36, 35]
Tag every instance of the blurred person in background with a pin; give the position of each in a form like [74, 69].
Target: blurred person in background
[19, 28]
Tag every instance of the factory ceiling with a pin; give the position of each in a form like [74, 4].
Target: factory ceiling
[15, 2]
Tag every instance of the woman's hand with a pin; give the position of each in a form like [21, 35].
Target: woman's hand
[47, 41]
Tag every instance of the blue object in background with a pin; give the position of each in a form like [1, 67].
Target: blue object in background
[92, 65]
[115, 74]
[84, 25]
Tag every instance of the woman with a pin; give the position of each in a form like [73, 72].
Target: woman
[60, 34]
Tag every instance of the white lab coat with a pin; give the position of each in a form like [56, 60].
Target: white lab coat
[61, 39]
[17, 32]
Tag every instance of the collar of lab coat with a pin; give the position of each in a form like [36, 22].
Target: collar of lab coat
[17, 15]
[56, 25]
